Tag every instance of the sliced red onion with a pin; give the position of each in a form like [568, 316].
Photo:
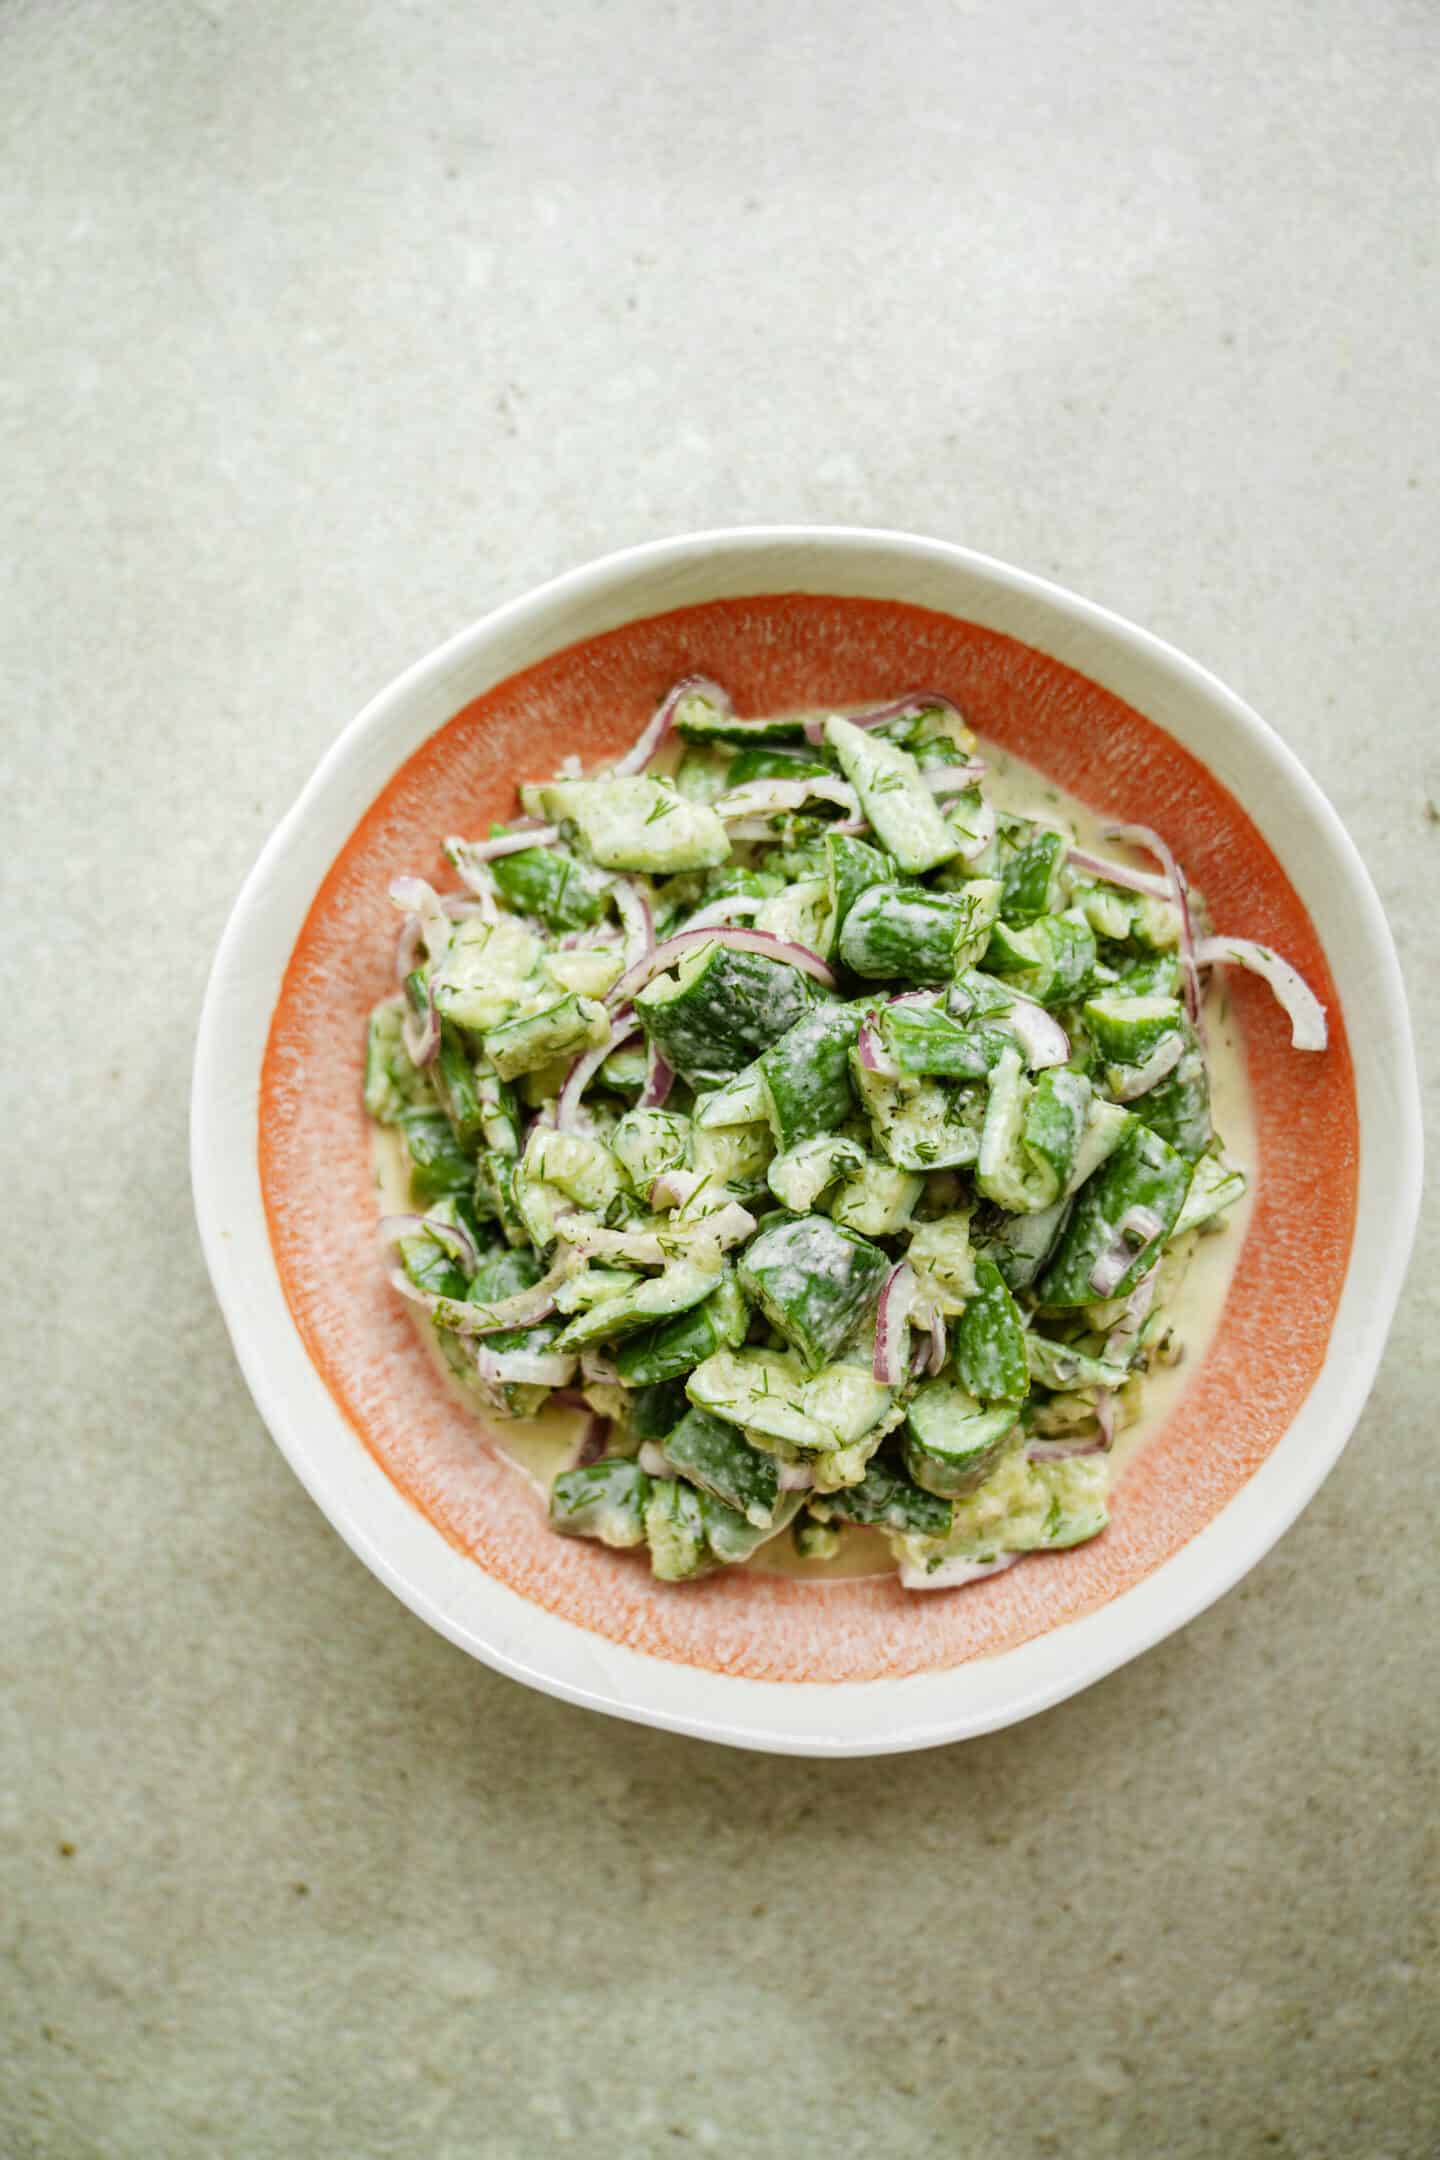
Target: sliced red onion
[393, 1229]
[674, 1187]
[954, 1574]
[523, 1368]
[735, 907]
[568, 1111]
[1303, 1009]
[1128, 1081]
[593, 1441]
[1114, 873]
[853, 825]
[1038, 1032]
[658, 1083]
[872, 1052]
[463, 1318]
[421, 1035]
[1145, 836]
[407, 947]
[648, 742]
[938, 1343]
[1098, 1443]
[639, 924]
[1109, 1267]
[892, 1314]
[1105, 1417]
[1137, 1228]
[772, 798]
[675, 948]
[905, 708]
[415, 897]
[1124, 1334]
[476, 878]
[950, 779]
[465, 853]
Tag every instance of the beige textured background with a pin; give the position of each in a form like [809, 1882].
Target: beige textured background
[323, 326]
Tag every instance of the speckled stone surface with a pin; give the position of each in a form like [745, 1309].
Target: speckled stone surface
[322, 328]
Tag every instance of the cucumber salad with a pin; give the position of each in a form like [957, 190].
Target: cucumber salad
[832, 1141]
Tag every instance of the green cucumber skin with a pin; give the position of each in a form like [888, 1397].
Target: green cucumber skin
[1148, 978]
[814, 1281]
[851, 867]
[896, 932]
[1179, 1108]
[990, 1341]
[453, 1073]
[495, 1195]
[976, 996]
[718, 1458]
[561, 1030]
[459, 1089]
[1028, 879]
[1020, 1245]
[950, 1445]
[806, 1074]
[737, 1005]
[500, 1113]
[430, 1267]
[564, 892]
[1144, 1171]
[894, 798]
[1055, 963]
[677, 1346]
[771, 761]
[656, 1408]
[675, 1530]
[392, 1083]
[923, 1040]
[1055, 1120]
[611, 1495]
[728, 728]
[439, 1166]
[886, 1500]
[504, 1274]
[1121, 1038]
[616, 1318]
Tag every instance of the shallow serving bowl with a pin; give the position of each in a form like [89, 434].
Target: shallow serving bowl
[283, 1180]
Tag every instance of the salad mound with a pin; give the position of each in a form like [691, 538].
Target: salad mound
[834, 1141]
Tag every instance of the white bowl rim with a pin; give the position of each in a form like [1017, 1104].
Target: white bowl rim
[493, 1623]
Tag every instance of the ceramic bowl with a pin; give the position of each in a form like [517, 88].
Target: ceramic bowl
[285, 1198]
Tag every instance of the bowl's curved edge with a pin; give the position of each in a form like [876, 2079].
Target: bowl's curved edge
[1194, 1579]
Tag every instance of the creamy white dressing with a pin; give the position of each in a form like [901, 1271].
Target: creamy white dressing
[540, 1448]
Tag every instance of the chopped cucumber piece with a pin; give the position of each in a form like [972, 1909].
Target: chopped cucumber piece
[720, 1009]
[815, 1283]
[893, 797]
[605, 1500]
[636, 823]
